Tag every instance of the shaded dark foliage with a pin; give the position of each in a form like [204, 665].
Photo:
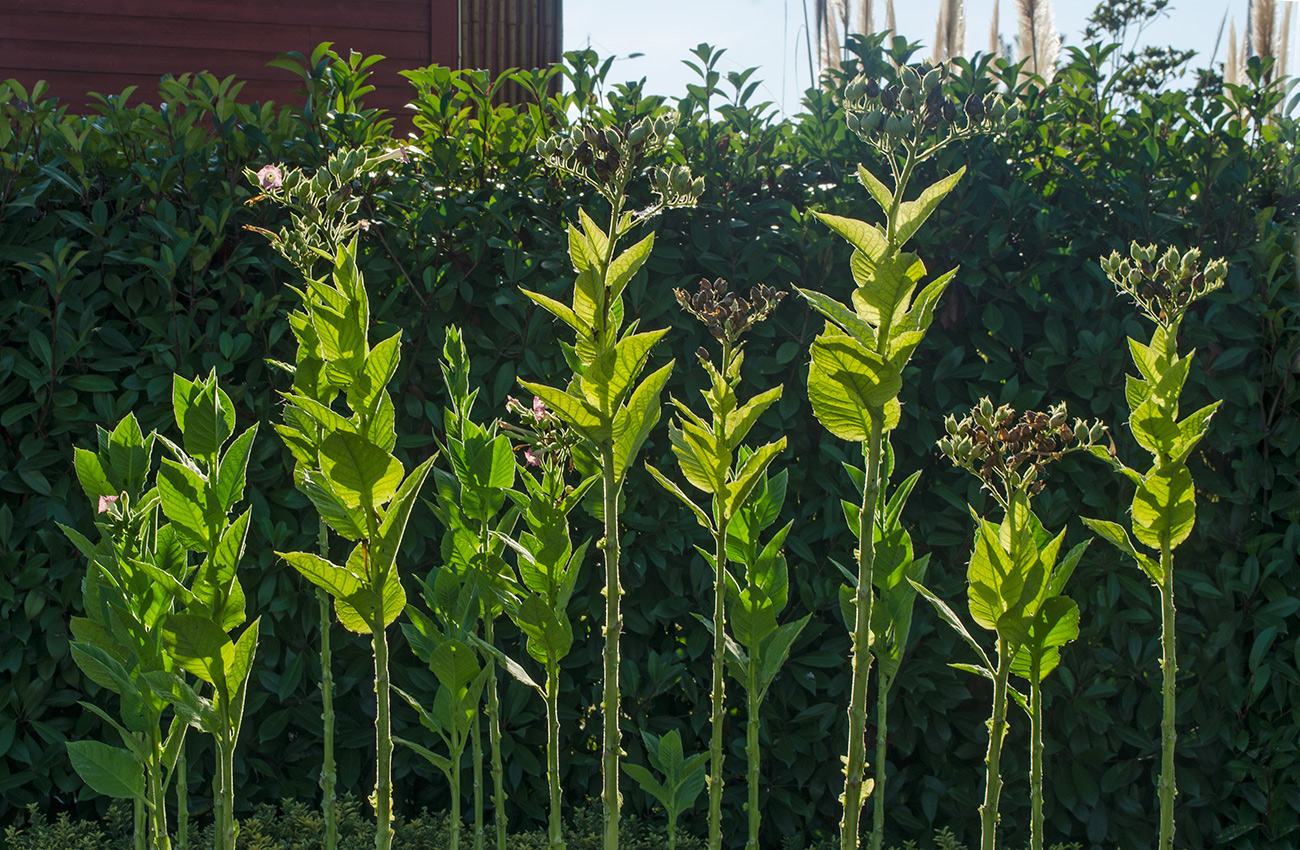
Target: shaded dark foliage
[124, 258]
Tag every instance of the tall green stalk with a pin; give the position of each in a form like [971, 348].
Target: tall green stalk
[857, 746]
[878, 788]
[997, 725]
[713, 460]
[328, 771]
[857, 361]
[182, 802]
[494, 736]
[1036, 757]
[1163, 511]
[603, 403]
[1016, 570]
[752, 722]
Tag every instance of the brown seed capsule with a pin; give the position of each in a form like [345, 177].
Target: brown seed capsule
[872, 90]
[889, 97]
[974, 108]
[949, 111]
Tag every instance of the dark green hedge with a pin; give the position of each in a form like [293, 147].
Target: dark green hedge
[124, 258]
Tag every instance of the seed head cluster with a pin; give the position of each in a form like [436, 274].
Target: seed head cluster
[1008, 453]
[612, 154]
[1165, 288]
[725, 314]
[919, 106]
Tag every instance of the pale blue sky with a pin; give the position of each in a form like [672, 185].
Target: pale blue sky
[769, 33]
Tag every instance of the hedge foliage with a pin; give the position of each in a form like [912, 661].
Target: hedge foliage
[124, 258]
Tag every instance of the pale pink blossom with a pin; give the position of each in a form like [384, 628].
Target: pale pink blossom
[104, 502]
[539, 407]
[532, 457]
[270, 177]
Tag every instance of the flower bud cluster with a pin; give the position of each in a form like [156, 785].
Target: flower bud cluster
[1164, 287]
[725, 314]
[607, 155]
[917, 105]
[1008, 453]
[546, 440]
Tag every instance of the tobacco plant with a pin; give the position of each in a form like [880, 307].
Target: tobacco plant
[707, 453]
[443, 642]
[1164, 504]
[856, 371]
[891, 619]
[1014, 574]
[547, 571]
[683, 778]
[119, 641]
[346, 468]
[469, 502]
[197, 489]
[603, 402]
[323, 211]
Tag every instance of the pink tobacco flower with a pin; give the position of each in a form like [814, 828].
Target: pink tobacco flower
[539, 407]
[104, 502]
[270, 177]
[532, 457]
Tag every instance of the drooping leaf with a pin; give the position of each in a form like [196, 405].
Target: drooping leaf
[360, 473]
[110, 771]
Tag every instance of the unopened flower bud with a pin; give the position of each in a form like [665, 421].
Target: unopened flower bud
[907, 98]
[637, 134]
[911, 79]
[856, 88]
[931, 80]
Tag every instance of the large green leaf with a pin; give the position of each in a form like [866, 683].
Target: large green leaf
[199, 646]
[747, 414]
[455, 664]
[204, 414]
[842, 317]
[866, 238]
[338, 581]
[635, 419]
[912, 214]
[234, 465]
[1164, 504]
[110, 771]
[1055, 625]
[671, 487]
[608, 377]
[378, 369]
[93, 475]
[850, 387]
[184, 499]
[360, 473]
[393, 527]
[548, 639]
[626, 264]
[346, 522]
[560, 310]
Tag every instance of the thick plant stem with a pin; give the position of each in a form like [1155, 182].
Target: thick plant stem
[1035, 758]
[1169, 663]
[857, 749]
[556, 833]
[454, 828]
[141, 825]
[383, 745]
[327, 771]
[182, 802]
[993, 761]
[158, 795]
[719, 687]
[878, 790]
[751, 750]
[494, 739]
[476, 744]
[225, 838]
[613, 625]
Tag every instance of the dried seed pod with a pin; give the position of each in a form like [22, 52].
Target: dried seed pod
[889, 97]
[872, 89]
[974, 108]
[949, 111]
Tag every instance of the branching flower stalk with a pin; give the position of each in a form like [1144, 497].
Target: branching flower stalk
[856, 371]
[1164, 504]
[324, 218]
[1015, 577]
[706, 452]
[603, 403]
[345, 466]
[548, 568]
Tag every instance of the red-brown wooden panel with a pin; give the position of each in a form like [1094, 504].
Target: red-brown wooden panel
[52, 31]
[411, 15]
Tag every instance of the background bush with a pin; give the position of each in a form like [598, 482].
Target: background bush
[124, 258]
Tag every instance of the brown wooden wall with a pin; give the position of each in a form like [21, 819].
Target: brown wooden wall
[80, 46]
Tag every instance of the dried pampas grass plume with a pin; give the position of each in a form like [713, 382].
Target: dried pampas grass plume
[1263, 27]
[1232, 65]
[1040, 43]
[950, 34]
[891, 25]
[866, 21]
[995, 37]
